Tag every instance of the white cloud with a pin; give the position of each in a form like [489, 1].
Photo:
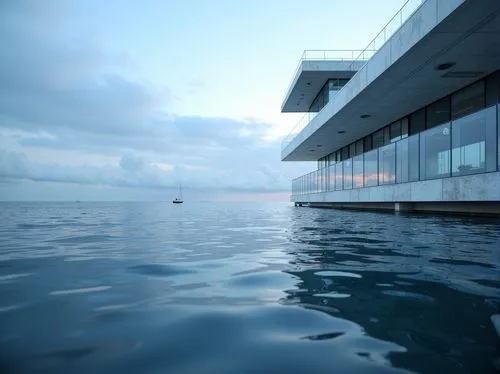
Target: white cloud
[71, 96]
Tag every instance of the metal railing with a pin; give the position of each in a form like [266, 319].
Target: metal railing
[404, 13]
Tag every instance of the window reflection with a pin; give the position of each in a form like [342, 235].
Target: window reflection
[387, 164]
[468, 145]
[435, 152]
[339, 173]
[464, 146]
[413, 158]
[357, 172]
[371, 168]
[348, 174]
[402, 161]
[331, 178]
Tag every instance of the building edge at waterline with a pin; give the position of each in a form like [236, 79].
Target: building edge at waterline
[411, 123]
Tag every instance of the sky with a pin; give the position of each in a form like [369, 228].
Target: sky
[125, 100]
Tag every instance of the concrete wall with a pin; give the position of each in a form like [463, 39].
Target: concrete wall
[479, 187]
[421, 22]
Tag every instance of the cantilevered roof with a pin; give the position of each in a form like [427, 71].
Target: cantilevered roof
[311, 76]
[403, 76]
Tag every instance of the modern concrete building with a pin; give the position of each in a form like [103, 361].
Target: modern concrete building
[411, 122]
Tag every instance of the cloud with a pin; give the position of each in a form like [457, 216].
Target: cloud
[68, 94]
[136, 172]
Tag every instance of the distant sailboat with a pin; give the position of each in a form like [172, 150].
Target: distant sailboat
[178, 199]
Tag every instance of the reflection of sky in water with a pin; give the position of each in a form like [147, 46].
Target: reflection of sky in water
[223, 288]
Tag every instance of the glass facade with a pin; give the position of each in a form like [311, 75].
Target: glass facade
[435, 152]
[357, 171]
[387, 164]
[371, 168]
[467, 145]
[454, 136]
[348, 174]
[402, 161]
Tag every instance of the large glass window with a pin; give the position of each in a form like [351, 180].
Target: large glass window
[438, 113]
[352, 150]
[348, 174]
[315, 182]
[359, 147]
[357, 172]
[468, 100]
[395, 131]
[371, 168]
[473, 145]
[404, 127]
[493, 89]
[435, 152]
[417, 121]
[413, 158]
[331, 178]
[322, 180]
[368, 143]
[387, 164]
[402, 161]
[378, 139]
[335, 85]
[339, 176]
[387, 135]
[344, 153]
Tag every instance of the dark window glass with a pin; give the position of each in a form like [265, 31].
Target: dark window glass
[331, 159]
[348, 174]
[473, 143]
[435, 152]
[387, 135]
[493, 89]
[345, 153]
[387, 164]
[404, 127]
[395, 131]
[371, 168]
[402, 161]
[413, 158]
[468, 100]
[378, 139]
[417, 121]
[357, 172]
[438, 113]
[352, 150]
[368, 143]
[498, 134]
[359, 147]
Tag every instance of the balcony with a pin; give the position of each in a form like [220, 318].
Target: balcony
[355, 61]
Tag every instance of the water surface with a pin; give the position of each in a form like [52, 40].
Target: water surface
[244, 288]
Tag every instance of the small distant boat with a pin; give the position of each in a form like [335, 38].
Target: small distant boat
[178, 199]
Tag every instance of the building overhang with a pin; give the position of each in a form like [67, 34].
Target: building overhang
[311, 76]
[403, 75]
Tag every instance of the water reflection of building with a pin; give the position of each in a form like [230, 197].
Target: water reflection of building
[411, 122]
[424, 299]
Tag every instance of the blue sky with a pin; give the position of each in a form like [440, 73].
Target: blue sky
[123, 100]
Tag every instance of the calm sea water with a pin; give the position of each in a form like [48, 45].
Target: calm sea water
[244, 288]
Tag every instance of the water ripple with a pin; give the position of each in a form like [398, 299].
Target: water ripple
[226, 288]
